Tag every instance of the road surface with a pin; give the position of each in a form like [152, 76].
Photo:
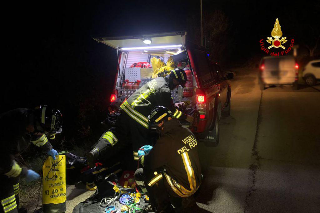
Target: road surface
[268, 158]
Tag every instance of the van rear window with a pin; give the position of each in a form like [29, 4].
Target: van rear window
[202, 68]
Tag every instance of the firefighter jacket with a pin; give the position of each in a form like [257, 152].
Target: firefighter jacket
[154, 93]
[133, 120]
[175, 158]
[14, 139]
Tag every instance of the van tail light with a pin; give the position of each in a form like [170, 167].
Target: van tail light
[262, 67]
[297, 71]
[201, 99]
[113, 98]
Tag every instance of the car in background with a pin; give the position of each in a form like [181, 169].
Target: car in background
[311, 72]
[278, 70]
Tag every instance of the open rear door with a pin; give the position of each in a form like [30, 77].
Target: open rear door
[168, 41]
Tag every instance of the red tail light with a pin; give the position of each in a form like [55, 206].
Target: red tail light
[201, 99]
[262, 67]
[202, 116]
[113, 98]
[296, 66]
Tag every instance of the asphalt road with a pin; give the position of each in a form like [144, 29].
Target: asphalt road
[268, 158]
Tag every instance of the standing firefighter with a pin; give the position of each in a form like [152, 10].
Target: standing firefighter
[172, 171]
[132, 124]
[18, 128]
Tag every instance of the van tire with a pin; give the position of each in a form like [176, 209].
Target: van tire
[310, 80]
[213, 137]
[227, 109]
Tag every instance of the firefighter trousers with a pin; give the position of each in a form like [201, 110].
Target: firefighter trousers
[9, 194]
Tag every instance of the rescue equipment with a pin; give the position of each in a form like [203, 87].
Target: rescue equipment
[54, 184]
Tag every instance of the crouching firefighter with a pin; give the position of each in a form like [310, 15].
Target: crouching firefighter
[172, 171]
[19, 127]
[132, 124]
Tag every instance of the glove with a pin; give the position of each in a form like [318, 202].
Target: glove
[144, 150]
[53, 153]
[32, 176]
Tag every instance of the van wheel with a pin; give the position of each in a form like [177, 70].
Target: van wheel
[227, 109]
[213, 136]
[310, 80]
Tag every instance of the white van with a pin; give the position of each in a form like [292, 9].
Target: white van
[278, 70]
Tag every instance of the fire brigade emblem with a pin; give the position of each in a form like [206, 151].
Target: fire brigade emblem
[276, 41]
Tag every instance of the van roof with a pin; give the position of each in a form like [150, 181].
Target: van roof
[127, 43]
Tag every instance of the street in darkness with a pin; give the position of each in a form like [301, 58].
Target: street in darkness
[268, 160]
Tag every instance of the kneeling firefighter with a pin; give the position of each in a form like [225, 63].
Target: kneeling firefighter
[18, 128]
[172, 171]
[132, 124]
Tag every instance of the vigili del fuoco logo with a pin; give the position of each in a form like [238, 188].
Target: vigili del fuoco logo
[277, 42]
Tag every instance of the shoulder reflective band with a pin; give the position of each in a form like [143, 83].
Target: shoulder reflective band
[43, 115]
[182, 76]
[177, 114]
[9, 203]
[160, 117]
[155, 179]
[15, 170]
[135, 115]
[16, 188]
[41, 141]
[175, 74]
[109, 136]
[179, 189]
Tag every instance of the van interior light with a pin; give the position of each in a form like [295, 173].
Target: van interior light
[153, 47]
[147, 41]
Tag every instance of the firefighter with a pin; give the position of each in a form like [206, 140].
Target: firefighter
[132, 125]
[172, 171]
[19, 127]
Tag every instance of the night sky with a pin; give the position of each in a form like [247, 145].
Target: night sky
[50, 56]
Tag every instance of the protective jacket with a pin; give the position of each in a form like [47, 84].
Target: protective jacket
[14, 139]
[174, 158]
[132, 124]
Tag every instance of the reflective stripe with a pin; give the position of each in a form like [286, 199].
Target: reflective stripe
[15, 170]
[132, 113]
[182, 76]
[155, 179]
[8, 200]
[10, 207]
[135, 155]
[189, 170]
[146, 93]
[109, 136]
[16, 189]
[175, 74]
[43, 115]
[179, 189]
[177, 114]
[160, 117]
[41, 141]
[142, 117]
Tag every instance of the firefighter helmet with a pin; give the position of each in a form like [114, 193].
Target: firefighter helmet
[48, 120]
[157, 115]
[180, 75]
